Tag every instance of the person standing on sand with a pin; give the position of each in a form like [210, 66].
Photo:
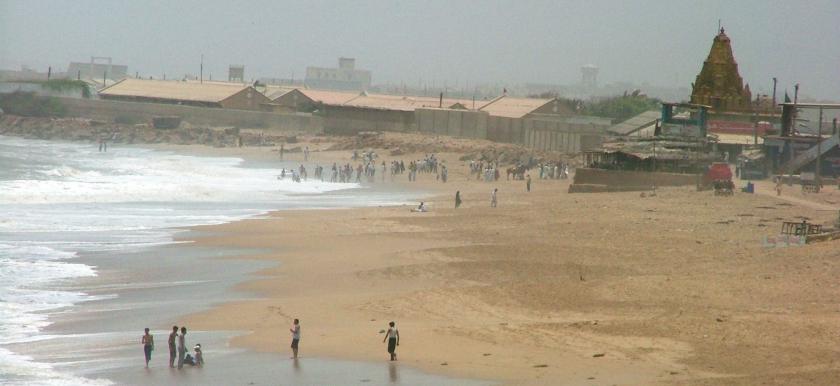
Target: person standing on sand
[182, 347]
[148, 342]
[295, 330]
[528, 183]
[457, 199]
[173, 336]
[393, 338]
[493, 200]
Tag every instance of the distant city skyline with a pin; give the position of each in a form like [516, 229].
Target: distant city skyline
[657, 42]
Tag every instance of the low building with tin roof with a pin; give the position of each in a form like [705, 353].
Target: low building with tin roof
[208, 94]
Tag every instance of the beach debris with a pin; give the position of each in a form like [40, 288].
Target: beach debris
[487, 354]
[720, 320]
[540, 365]
[590, 378]
[673, 372]
[373, 320]
[364, 380]
[444, 364]
[381, 331]
[599, 355]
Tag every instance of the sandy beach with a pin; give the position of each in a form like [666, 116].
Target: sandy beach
[550, 287]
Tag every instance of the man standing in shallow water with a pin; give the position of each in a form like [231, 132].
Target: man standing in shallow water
[295, 330]
[173, 336]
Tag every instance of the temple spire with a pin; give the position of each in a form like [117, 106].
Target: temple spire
[719, 84]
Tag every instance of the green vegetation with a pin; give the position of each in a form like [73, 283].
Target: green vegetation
[621, 108]
[61, 85]
[30, 105]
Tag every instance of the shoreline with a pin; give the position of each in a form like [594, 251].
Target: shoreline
[615, 288]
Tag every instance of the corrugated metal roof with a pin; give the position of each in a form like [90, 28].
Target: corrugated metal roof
[636, 123]
[212, 92]
[328, 97]
[274, 92]
[505, 106]
[401, 103]
[738, 139]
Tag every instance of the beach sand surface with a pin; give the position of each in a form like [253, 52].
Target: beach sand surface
[548, 288]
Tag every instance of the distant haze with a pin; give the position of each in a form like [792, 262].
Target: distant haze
[661, 42]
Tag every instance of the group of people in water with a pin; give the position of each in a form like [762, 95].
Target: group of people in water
[368, 168]
[177, 349]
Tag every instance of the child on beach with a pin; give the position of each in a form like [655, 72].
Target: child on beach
[199, 357]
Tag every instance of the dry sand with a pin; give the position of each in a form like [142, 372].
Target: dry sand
[550, 287]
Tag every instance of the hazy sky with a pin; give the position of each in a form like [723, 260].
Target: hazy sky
[660, 42]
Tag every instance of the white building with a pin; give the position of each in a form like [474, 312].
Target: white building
[345, 77]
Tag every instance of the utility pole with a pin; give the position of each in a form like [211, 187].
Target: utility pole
[774, 95]
[795, 100]
[819, 148]
[49, 72]
[201, 70]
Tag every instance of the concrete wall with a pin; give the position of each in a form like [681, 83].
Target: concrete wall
[631, 178]
[349, 120]
[507, 130]
[456, 123]
[109, 110]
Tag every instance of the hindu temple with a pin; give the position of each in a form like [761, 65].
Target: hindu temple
[719, 84]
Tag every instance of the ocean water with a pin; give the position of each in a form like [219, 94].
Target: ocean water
[60, 201]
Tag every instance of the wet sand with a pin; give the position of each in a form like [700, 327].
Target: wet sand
[548, 288]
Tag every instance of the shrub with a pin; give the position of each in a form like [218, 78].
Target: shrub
[30, 105]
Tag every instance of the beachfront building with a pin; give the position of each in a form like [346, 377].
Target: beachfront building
[345, 77]
[206, 94]
[97, 69]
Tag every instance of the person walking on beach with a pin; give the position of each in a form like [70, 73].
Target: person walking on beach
[393, 338]
[457, 199]
[148, 342]
[528, 183]
[182, 347]
[173, 337]
[493, 200]
[295, 330]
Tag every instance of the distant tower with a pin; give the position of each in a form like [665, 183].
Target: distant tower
[236, 73]
[589, 76]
